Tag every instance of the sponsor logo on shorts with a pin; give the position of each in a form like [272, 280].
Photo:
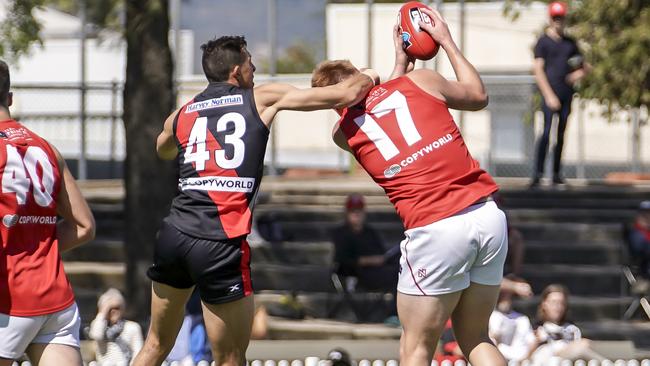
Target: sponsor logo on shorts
[225, 101]
[234, 288]
[215, 183]
[11, 220]
[422, 272]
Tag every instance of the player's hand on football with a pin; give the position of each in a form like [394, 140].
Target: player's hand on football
[438, 30]
[401, 58]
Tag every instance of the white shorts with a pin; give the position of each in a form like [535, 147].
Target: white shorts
[445, 256]
[17, 332]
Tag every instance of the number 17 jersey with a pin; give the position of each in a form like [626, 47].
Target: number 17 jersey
[221, 141]
[408, 142]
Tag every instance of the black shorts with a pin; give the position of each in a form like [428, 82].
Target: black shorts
[220, 269]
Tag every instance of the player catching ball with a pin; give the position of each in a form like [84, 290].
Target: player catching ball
[456, 240]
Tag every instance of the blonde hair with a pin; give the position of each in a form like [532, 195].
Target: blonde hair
[332, 72]
[111, 293]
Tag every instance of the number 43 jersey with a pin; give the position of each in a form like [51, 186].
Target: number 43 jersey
[221, 141]
[407, 141]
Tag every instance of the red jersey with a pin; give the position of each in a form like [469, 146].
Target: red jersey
[408, 142]
[32, 280]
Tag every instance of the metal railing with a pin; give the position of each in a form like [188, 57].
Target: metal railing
[502, 137]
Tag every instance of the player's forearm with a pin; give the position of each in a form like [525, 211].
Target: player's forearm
[71, 235]
[400, 69]
[465, 72]
[354, 89]
[167, 150]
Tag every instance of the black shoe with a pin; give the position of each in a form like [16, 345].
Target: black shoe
[558, 180]
[534, 183]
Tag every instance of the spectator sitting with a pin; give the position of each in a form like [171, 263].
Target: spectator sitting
[510, 331]
[554, 335]
[117, 340]
[360, 252]
[639, 238]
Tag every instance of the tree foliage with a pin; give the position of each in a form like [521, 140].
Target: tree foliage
[299, 58]
[148, 99]
[615, 38]
[20, 29]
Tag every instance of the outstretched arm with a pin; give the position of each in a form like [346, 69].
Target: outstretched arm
[272, 98]
[78, 224]
[468, 92]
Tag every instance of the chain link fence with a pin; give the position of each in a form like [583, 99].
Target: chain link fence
[502, 137]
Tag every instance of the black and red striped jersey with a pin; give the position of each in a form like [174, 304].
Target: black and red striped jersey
[221, 141]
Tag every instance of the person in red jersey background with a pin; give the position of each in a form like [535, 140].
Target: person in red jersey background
[220, 139]
[456, 238]
[38, 313]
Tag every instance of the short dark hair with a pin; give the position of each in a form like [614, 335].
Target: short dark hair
[5, 83]
[220, 55]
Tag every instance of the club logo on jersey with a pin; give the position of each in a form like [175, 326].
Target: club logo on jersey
[392, 170]
[225, 101]
[214, 183]
[10, 220]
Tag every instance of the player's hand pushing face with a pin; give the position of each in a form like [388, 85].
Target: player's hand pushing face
[439, 30]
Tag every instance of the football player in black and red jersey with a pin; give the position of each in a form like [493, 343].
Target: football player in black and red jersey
[220, 139]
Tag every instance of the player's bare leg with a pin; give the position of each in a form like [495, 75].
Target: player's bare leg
[6, 362]
[423, 319]
[54, 355]
[470, 321]
[229, 328]
[167, 312]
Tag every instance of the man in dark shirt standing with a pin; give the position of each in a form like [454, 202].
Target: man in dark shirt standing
[557, 67]
[360, 252]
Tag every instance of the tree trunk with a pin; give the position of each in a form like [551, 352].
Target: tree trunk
[149, 182]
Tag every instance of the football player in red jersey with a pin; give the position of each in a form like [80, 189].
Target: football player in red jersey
[220, 139]
[38, 313]
[456, 241]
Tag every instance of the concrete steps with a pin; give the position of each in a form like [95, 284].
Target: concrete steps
[573, 236]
